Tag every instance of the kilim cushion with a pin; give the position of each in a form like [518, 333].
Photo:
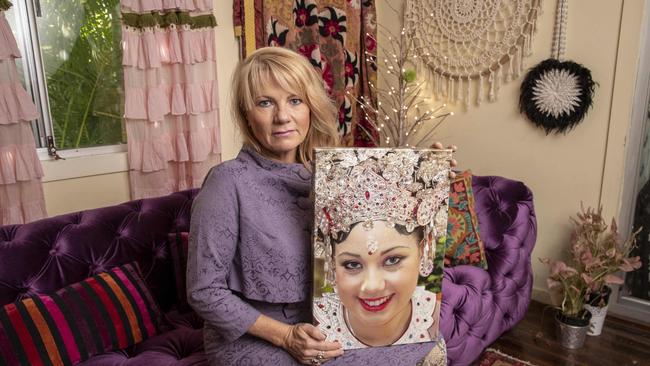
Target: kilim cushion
[464, 245]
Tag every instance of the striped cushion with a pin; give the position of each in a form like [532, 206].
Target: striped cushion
[111, 310]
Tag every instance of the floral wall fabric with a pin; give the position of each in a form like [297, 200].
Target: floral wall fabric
[333, 34]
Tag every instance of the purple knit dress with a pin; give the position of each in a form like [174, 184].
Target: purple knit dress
[250, 254]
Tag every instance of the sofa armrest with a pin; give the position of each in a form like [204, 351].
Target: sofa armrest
[478, 305]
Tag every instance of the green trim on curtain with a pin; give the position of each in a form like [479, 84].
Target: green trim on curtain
[166, 19]
[5, 4]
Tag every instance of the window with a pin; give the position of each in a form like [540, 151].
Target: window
[72, 66]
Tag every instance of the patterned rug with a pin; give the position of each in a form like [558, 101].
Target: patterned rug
[493, 357]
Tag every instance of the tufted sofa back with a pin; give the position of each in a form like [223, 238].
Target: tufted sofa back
[45, 255]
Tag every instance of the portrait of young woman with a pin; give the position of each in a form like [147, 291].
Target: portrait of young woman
[378, 219]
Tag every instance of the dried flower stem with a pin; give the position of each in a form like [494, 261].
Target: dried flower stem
[399, 119]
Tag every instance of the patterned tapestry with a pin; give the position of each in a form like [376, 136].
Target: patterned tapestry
[333, 34]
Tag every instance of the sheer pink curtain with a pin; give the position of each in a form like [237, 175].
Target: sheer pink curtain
[21, 191]
[171, 96]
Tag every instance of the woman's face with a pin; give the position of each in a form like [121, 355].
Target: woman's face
[376, 287]
[279, 121]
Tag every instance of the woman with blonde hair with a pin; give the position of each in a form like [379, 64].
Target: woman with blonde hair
[249, 261]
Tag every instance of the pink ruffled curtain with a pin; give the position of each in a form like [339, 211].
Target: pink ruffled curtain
[171, 97]
[21, 191]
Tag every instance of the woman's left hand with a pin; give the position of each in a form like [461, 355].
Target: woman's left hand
[307, 344]
[453, 163]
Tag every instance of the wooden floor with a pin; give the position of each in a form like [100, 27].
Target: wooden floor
[622, 343]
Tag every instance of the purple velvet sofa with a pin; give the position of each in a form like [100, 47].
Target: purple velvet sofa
[477, 306]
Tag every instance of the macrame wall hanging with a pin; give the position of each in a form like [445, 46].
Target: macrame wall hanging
[471, 47]
[556, 94]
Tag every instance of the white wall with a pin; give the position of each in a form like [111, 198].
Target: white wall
[561, 170]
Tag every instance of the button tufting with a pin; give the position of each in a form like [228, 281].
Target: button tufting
[160, 252]
[96, 268]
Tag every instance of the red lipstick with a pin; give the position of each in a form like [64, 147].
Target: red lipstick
[376, 304]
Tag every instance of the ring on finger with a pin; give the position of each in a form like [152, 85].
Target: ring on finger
[320, 356]
[315, 361]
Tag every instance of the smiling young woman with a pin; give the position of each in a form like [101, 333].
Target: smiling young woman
[377, 300]
[376, 287]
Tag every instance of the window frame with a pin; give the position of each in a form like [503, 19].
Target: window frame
[35, 81]
[620, 303]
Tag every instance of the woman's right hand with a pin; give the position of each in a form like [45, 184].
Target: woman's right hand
[307, 344]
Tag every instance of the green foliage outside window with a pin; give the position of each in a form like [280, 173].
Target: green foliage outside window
[82, 56]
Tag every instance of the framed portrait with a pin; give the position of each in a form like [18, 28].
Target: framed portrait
[380, 225]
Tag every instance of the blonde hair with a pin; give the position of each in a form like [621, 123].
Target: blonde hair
[293, 73]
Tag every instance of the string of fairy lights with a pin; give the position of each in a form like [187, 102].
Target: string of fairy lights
[403, 109]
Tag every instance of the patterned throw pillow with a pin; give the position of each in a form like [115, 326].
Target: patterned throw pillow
[464, 245]
[178, 246]
[109, 311]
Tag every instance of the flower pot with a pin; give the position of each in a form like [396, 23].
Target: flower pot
[597, 319]
[572, 331]
[597, 306]
[601, 298]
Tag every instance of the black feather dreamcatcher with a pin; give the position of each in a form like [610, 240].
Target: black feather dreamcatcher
[556, 94]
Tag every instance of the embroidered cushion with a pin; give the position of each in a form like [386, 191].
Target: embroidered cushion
[178, 243]
[109, 311]
[464, 245]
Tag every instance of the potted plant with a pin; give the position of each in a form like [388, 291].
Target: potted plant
[571, 318]
[601, 253]
[597, 253]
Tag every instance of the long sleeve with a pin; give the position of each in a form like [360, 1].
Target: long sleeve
[214, 234]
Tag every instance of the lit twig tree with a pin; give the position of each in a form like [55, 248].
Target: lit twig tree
[406, 117]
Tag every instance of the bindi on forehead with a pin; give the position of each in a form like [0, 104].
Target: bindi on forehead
[372, 244]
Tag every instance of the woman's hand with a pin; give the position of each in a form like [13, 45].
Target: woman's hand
[453, 163]
[306, 343]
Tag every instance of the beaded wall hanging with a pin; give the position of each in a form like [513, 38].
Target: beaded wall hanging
[470, 47]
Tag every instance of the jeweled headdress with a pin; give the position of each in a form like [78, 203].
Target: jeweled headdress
[400, 186]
